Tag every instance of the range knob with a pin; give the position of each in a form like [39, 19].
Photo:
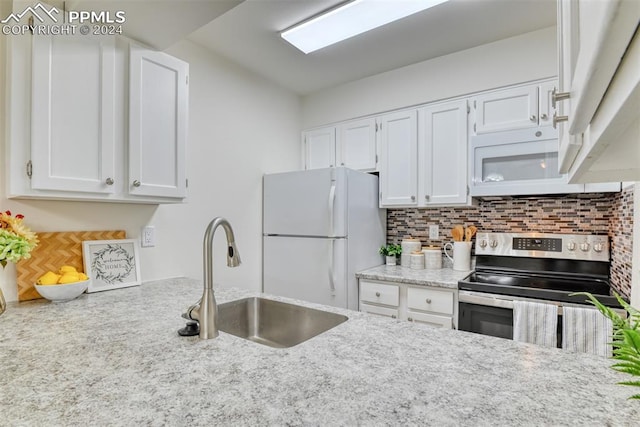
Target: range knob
[571, 246]
[584, 247]
[493, 243]
[483, 243]
[598, 247]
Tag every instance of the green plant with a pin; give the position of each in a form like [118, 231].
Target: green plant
[390, 250]
[626, 338]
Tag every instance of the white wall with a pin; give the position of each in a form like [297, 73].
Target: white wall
[517, 59]
[240, 126]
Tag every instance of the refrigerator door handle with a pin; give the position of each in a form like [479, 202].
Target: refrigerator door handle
[332, 280]
[332, 201]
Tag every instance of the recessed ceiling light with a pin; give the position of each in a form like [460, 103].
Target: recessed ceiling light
[351, 19]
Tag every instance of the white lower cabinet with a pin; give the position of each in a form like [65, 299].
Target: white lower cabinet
[413, 303]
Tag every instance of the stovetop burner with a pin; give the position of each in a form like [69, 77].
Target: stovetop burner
[542, 266]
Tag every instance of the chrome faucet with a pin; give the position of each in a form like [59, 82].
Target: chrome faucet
[206, 311]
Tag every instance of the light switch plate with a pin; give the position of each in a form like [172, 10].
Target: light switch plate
[148, 238]
[433, 232]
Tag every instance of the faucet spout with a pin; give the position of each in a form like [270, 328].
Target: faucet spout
[207, 312]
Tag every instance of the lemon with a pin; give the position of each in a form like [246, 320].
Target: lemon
[67, 269]
[82, 277]
[69, 278]
[49, 278]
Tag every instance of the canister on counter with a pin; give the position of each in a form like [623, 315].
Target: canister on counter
[432, 257]
[408, 245]
[417, 260]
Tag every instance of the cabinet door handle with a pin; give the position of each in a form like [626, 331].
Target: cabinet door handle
[413, 198]
[558, 96]
[544, 117]
[428, 300]
[410, 319]
[136, 183]
[377, 294]
[557, 119]
[109, 181]
[533, 118]
[393, 316]
[426, 197]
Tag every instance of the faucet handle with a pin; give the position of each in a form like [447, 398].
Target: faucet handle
[192, 312]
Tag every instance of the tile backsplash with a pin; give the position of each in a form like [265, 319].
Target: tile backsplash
[595, 213]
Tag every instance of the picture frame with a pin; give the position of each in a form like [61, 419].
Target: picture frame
[111, 264]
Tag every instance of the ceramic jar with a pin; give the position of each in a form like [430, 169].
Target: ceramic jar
[416, 260]
[432, 257]
[409, 245]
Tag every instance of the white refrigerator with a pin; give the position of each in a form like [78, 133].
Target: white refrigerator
[320, 227]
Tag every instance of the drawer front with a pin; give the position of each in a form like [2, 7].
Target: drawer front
[382, 311]
[379, 293]
[427, 299]
[445, 322]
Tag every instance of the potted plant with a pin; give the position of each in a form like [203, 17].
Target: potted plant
[626, 339]
[391, 252]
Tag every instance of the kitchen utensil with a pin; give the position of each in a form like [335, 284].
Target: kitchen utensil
[469, 232]
[66, 292]
[461, 255]
[457, 233]
[54, 250]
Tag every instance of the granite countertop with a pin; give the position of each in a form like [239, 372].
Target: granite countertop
[114, 358]
[442, 278]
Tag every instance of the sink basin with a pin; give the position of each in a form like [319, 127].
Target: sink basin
[274, 323]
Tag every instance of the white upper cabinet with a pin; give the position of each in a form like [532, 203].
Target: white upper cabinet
[508, 109]
[72, 114]
[71, 134]
[351, 144]
[319, 148]
[356, 145]
[158, 105]
[599, 89]
[442, 151]
[399, 152]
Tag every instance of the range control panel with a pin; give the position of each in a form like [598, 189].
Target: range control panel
[544, 245]
[537, 244]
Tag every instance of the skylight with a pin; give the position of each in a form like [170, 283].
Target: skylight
[351, 19]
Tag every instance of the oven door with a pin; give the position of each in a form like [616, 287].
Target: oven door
[485, 314]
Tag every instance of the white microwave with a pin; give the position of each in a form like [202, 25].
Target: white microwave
[518, 162]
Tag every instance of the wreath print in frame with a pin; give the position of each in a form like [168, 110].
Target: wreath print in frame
[111, 264]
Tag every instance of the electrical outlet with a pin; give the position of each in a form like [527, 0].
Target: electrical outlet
[433, 232]
[148, 236]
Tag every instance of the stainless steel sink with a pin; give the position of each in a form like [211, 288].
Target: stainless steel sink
[274, 323]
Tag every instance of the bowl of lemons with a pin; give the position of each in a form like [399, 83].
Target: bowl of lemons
[65, 285]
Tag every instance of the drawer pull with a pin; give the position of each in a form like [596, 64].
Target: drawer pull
[377, 294]
[410, 319]
[428, 300]
[393, 316]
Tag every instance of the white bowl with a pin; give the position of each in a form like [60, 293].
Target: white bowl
[64, 292]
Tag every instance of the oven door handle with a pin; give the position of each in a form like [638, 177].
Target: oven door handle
[506, 301]
[488, 300]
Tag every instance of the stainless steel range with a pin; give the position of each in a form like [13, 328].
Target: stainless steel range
[531, 267]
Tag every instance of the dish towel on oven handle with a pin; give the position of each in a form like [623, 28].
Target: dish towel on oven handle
[586, 330]
[535, 323]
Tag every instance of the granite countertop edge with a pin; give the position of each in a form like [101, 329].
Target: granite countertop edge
[445, 277]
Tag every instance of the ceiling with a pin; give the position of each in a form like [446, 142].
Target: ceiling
[248, 34]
